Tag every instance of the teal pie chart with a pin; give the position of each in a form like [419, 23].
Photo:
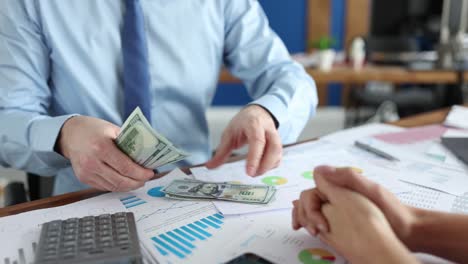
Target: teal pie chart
[156, 192]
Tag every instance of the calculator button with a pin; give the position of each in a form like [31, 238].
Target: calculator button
[121, 231]
[84, 224]
[51, 246]
[69, 248]
[88, 235]
[50, 251]
[105, 227]
[105, 232]
[105, 216]
[50, 257]
[106, 244]
[69, 244]
[70, 232]
[53, 233]
[69, 237]
[104, 239]
[119, 225]
[88, 218]
[121, 214]
[87, 229]
[52, 239]
[123, 242]
[120, 218]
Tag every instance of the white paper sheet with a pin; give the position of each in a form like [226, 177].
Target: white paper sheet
[450, 180]
[430, 199]
[270, 236]
[348, 136]
[457, 117]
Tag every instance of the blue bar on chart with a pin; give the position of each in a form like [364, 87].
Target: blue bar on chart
[214, 219]
[132, 201]
[181, 241]
[211, 223]
[219, 216]
[162, 251]
[184, 235]
[200, 224]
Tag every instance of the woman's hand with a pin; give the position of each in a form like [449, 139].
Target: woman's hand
[356, 226]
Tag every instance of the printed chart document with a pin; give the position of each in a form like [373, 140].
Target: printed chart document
[418, 168]
[450, 180]
[274, 241]
[173, 231]
[430, 199]
[348, 136]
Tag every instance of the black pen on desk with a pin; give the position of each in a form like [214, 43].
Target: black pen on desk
[375, 150]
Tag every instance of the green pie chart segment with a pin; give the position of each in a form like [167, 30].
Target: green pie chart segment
[274, 180]
[316, 256]
[308, 175]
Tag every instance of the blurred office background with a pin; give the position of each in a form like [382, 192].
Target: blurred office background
[401, 44]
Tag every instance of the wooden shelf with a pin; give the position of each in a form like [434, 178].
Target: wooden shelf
[346, 75]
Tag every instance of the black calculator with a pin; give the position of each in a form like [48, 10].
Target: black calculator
[107, 238]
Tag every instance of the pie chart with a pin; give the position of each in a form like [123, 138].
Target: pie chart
[308, 175]
[316, 256]
[156, 192]
[274, 180]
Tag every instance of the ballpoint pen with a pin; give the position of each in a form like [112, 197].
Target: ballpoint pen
[372, 149]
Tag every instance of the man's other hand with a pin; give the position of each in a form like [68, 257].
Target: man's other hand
[96, 160]
[253, 126]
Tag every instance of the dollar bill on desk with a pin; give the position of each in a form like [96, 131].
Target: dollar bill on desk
[144, 145]
[196, 190]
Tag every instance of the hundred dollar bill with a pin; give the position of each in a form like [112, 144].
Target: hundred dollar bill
[144, 145]
[244, 193]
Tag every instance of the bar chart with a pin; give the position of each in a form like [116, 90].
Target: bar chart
[182, 241]
[132, 201]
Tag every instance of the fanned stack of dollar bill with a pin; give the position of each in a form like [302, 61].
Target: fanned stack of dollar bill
[146, 146]
[200, 190]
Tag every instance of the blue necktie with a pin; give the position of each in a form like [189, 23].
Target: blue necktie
[135, 61]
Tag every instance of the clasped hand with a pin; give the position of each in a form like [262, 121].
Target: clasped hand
[355, 216]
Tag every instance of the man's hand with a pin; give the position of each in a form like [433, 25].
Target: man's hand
[400, 217]
[89, 144]
[253, 126]
[356, 226]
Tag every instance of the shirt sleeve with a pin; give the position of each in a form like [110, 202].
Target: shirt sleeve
[27, 132]
[255, 54]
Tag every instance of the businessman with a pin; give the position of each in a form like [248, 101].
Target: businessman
[72, 71]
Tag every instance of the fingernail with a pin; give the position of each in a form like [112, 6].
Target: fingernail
[321, 228]
[312, 230]
[251, 170]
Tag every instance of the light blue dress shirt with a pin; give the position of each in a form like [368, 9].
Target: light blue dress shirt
[61, 58]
